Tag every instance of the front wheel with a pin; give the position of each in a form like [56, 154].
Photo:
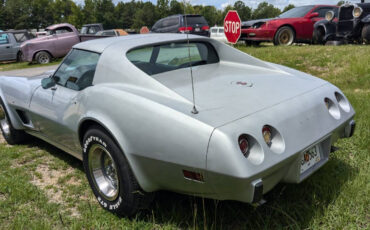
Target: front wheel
[365, 34]
[318, 36]
[284, 36]
[43, 57]
[110, 175]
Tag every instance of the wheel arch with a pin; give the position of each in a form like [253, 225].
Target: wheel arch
[38, 51]
[288, 25]
[119, 139]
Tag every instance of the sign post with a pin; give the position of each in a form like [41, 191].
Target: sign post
[232, 26]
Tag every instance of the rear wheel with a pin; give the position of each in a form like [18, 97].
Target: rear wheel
[365, 35]
[318, 36]
[43, 57]
[110, 175]
[284, 36]
[11, 135]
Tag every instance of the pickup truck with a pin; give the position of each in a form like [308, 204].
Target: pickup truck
[10, 42]
[57, 43]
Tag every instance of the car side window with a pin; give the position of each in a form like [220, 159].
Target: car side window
[63, 30]
[4, 39]
[167, 57]
[170, 22]
[77, 70]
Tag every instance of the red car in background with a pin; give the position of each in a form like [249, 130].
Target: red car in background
[294, 25]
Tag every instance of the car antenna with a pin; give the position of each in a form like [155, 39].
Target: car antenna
[194, 111]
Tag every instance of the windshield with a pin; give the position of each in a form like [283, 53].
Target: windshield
[297, 12]
[192, 20]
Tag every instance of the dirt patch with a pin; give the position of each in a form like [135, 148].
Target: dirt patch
[362, 90]
[47, 180]
[2, 197]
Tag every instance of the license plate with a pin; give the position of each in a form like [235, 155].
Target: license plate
[309, 158]
[197, 29]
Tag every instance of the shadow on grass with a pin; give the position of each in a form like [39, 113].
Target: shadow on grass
[288, 205]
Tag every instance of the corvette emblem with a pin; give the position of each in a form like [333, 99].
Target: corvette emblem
[242, 83]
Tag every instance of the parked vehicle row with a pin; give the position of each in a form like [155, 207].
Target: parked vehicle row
[10, 42]
[352, 24]
[295, 25]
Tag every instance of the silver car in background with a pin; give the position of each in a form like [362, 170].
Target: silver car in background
[124, 106]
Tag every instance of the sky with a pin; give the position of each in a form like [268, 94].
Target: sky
[220, 4]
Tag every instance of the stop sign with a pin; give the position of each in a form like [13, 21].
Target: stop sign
[232, 26]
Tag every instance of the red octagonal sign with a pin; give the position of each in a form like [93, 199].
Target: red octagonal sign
[232, 26]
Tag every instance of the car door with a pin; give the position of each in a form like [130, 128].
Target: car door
[6, 47]
[54, 110]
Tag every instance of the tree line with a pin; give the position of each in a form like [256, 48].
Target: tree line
[38, 14]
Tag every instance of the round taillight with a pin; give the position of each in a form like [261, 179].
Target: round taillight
[267, 134]
[243, 144]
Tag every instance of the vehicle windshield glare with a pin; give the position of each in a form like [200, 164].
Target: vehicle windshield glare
[167, 57]
[297, 12]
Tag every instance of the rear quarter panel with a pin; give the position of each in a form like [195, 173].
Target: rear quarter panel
[158, 142]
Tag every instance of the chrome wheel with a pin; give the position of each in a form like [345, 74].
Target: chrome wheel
[4, 123]
[286, 37]
[43, 59]
[103, 171]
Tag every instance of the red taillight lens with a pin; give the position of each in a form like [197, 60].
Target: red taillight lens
[267, 134]
[206, 28]
[243, 144]
[185, 29]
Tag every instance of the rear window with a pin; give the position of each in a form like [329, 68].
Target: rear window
[192, 20]
[167, 57]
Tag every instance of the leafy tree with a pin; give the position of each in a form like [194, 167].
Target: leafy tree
[62, 9]
[176, 7]
[341, 3]
[245, 12]
[265, 10]
[288, 7]
[210, 14]
[145, 16]
[163, 8]
[88, 12]
[77, 17]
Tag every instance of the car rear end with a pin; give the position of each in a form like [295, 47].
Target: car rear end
[287, 142]
[194, 24]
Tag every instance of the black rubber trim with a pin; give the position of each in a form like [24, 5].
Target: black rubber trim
[258, 192]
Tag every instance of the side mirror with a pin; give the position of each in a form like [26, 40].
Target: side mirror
[313, 15]
[47, 83]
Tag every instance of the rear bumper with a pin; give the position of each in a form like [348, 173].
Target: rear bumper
[258, 34]
[288, 170]
[299, 125]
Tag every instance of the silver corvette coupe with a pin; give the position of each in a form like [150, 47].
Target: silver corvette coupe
[163, 112]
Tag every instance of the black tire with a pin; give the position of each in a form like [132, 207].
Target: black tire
[248, 42]
[11, 135]
[365, 34]
[285, 36]
[318, 36]
[128, 197]
[43, 57]
[19, 56]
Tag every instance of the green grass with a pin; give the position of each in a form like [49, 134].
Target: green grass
[24, 65]
[43, 188]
